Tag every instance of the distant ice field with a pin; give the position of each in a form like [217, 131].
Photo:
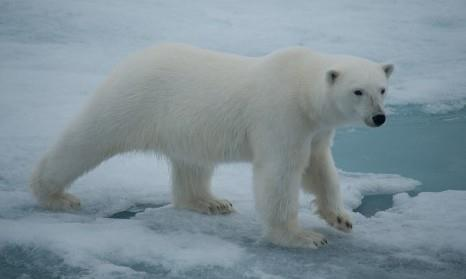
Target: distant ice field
[424, 39]
[404, 181]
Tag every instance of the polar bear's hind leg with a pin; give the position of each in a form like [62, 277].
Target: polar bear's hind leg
[74, 155]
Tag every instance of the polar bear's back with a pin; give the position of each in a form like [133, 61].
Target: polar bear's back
[186, 63]
[184, 101]
[176, 69]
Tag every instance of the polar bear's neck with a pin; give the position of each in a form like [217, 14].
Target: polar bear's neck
[315, 99]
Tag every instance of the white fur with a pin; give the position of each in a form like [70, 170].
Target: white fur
[200, 108]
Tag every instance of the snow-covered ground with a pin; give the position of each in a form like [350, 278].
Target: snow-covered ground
[54, 53]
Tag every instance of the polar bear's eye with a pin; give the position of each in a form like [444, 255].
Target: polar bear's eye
[382, 91]
[357, 92]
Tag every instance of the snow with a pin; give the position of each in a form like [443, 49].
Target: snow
[103, 241]
[54, 53]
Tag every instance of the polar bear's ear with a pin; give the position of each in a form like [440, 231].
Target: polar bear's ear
[388, 69]
[332, 76]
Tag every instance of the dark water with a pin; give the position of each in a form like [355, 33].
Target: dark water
[132, 211]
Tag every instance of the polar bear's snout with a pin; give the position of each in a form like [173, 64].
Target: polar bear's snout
[375, 115]
[378, 119]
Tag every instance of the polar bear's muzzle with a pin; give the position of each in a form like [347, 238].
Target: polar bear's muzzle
[376, 120]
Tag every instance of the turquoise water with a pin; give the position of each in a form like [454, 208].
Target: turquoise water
[430, 148]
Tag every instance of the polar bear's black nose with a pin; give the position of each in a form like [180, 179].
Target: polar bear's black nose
[379, 119]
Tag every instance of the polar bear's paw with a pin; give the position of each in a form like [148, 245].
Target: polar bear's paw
[339, 220]
[61, 202]
[298, 239]
[210, 206]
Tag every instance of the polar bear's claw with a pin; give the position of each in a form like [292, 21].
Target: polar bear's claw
[341, 220]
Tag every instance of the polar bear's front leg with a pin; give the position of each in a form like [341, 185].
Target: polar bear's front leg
[321, 178]
[276, 194]
[191, 189]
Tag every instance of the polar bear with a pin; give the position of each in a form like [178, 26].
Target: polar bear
[200, 108]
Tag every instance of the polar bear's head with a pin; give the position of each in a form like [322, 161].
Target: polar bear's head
[358, 88]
